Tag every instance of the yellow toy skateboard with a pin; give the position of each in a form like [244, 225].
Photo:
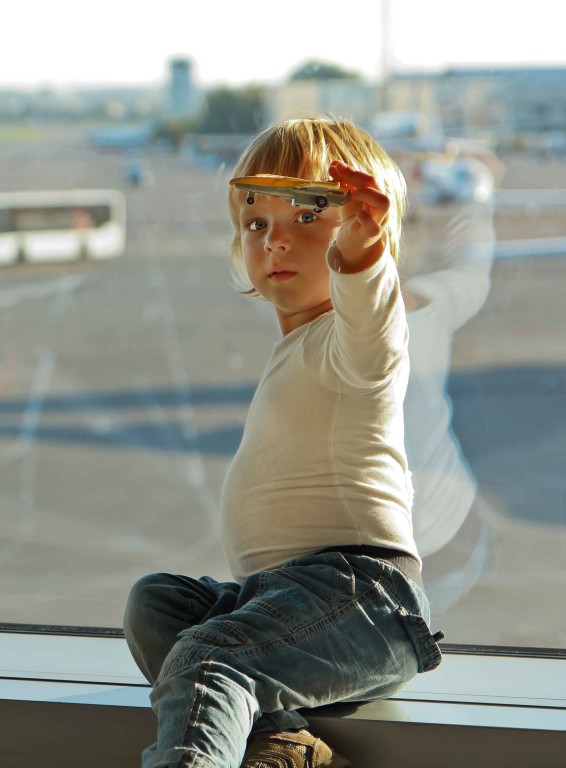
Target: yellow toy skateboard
[304, 193]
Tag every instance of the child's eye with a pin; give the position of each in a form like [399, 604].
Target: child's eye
[306, 217]
[256, 225]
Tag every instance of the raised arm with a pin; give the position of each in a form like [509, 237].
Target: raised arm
[369, 335]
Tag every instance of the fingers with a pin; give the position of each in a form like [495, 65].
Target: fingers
[370, 224]
[377, 201]
[362, 185]
[353, 179]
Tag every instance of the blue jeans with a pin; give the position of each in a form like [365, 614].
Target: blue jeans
[225, 659]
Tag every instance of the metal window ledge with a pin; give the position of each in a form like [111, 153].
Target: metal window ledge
[70, 701]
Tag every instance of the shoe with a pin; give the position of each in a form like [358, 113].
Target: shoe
[291, 749]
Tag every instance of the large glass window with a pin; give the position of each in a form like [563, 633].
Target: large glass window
[128, 360]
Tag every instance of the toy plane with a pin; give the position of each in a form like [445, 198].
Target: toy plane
[317, 195]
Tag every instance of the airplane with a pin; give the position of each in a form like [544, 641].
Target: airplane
[317, 195]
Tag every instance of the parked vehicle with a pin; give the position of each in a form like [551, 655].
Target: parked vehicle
[460, 179]
[55, 226]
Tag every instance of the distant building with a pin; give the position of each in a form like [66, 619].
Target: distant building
[183, 96]
[355, 100]
[499, 101]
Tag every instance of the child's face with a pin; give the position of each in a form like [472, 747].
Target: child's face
[284, 251]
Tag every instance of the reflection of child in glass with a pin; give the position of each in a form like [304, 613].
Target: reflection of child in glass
[451, 520]
[328, 604]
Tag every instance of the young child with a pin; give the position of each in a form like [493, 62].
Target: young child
[328, 603]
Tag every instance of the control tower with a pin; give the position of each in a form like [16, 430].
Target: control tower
[183, 97]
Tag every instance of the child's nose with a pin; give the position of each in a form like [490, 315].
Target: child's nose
[277, 239]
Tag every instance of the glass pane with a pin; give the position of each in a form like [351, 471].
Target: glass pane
[129, 360]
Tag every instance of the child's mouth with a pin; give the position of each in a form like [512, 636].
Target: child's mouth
[284, 274]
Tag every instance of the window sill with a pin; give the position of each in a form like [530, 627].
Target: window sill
[88, 703]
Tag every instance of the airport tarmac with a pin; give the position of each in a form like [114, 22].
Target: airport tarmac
[124, 387]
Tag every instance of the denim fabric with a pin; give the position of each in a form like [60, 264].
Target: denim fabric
[227, 659]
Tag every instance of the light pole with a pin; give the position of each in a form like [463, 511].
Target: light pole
[385, 62]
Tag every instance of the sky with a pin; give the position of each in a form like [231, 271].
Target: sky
[62, 43]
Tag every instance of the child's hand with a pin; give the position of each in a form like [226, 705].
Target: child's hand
[361, 239]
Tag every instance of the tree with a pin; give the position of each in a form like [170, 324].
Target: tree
[229, 110]
[172, 131]
[320, 70]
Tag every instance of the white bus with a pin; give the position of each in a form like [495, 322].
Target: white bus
[58, 226]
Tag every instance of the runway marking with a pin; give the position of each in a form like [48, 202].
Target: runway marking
[34, 405]
[192, 467]
[61, 286]
[20, 449]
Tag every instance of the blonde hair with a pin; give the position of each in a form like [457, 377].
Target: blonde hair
[304, 148]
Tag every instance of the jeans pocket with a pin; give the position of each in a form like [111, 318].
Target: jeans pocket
[424, 642]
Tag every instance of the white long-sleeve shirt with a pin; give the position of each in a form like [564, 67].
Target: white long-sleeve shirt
[322, 460]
